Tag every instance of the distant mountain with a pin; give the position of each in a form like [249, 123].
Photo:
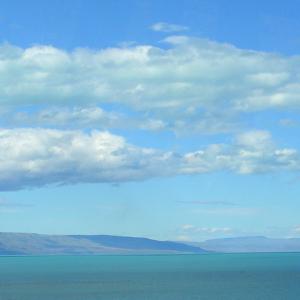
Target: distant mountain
[251, 244]
[40, 244]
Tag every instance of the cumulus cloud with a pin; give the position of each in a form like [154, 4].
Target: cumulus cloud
[253, 152]
[192, 84]
[38, 157]
[167, 27]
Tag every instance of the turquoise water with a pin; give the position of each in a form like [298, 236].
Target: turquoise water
[212, 276]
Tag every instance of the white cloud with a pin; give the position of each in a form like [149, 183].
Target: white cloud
[167, 27]
[214, 230]
[288, 122]
[37, 157]
[208, 203]
[187, 227]
[79, 118]
[8, 206]
[289, 232]
[191, 85]
[234, 211]
[255, 139]
[196, 233]
[297, 229]
[253, 152]
[183, 238]
[206, 230]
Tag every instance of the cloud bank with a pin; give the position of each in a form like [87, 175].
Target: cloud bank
[38, 157]
[188, 84]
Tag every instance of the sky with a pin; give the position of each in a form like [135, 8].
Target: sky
[173, 121]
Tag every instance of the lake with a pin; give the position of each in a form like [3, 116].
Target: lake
[256, 276]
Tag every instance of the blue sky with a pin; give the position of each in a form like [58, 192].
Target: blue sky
[171, 121]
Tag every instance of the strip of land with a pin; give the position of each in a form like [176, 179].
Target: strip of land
[43, 244]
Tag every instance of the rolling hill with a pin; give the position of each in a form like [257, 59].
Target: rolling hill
[40, 244]
[251, 244]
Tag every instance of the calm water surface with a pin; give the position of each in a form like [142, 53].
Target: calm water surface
[213, 276]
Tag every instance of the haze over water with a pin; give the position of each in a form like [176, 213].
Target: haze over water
[212, 276]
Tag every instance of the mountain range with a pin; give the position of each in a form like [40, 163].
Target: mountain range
[251, 244]
[42, 244]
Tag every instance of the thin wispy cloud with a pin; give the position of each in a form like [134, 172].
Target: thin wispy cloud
[12, 204]
[168, 27]
[288, 122]
[192, 233]
[9, 206]
[240, 211]
[209, 203]
[78, 117]
[297, 230]
[188, 228]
